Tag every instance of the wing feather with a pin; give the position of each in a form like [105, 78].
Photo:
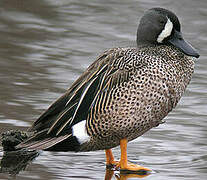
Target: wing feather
[87, 94]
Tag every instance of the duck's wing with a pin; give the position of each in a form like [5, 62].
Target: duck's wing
[55, 124]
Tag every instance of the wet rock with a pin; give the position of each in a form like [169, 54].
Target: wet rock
[14, 161]
[12, 138]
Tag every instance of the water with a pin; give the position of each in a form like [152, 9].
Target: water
[45, 45]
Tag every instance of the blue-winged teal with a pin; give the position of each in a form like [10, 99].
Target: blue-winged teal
[123, 94]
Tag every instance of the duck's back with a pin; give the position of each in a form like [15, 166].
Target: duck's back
[123, 94]
[150, 84]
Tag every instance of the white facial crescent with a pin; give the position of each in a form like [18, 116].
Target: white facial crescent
[166, 31]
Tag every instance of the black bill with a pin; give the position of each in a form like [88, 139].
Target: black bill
[178, 41]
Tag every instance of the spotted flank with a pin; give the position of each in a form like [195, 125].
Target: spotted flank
[124, 93]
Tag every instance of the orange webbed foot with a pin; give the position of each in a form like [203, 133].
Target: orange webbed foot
[123, 165]
[131, 168]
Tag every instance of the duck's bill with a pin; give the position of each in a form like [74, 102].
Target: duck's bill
[178, 41]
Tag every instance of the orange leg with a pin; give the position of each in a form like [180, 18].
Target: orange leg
[110, 162]
[109, 156]
[125, 166]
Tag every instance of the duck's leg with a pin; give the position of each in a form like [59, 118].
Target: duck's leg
[110, 162]
[124, 165]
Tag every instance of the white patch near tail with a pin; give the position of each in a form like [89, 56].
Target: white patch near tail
[166, 31]
[79, 131]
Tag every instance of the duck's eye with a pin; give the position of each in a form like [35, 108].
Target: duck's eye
[162, 22]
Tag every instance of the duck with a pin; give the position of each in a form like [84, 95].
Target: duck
[124, 93]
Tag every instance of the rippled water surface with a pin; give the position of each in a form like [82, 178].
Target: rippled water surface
[46, 44]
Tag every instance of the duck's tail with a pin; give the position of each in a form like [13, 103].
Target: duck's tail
[42, 141]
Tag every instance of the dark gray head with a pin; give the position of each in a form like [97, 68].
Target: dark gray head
[161, 26]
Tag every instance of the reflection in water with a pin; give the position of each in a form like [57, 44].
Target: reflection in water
[13, 162]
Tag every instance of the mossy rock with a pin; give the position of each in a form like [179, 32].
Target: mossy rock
[12, 138]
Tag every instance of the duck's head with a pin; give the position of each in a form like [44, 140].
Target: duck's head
[161, 26]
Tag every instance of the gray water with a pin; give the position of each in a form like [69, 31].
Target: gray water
[46, 44]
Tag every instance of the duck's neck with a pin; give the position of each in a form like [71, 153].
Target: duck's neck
[145, 44]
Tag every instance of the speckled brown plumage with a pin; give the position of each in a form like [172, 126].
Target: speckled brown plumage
[123, 94]
[151, 82]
